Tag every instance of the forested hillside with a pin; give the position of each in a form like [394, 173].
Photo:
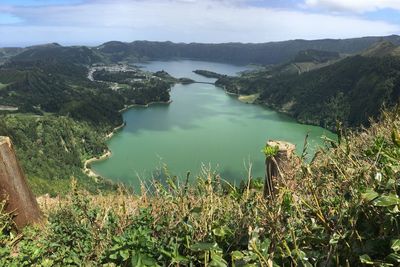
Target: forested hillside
[58, 118]
[351, 90]
[52, 149]
[238, 53]
[56, 52]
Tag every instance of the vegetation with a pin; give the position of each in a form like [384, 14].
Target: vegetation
[351, 90]
[237, 53]
[208, 74]
[56, 52]
[63, 117]
[312, 55]
[152, 90]
[185, 81]
[117, 76]
[51, 149]
[340, 209]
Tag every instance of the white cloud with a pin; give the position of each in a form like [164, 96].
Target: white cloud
[179, 21]
[359, 6]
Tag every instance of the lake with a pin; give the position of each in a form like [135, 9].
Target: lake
[203, 126]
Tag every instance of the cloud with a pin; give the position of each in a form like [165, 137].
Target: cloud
[358, 6]
[93, 22]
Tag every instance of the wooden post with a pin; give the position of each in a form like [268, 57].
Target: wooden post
[274, 165]
[14, 189]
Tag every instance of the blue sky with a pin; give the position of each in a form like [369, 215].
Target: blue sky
[91, 22]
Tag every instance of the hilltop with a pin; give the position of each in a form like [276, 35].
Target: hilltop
[234, 53]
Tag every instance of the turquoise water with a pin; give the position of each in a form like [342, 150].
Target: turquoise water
[202, 126]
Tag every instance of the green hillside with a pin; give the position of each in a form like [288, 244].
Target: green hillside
[350, 90]
[312, 55]
[237, 53]
[59, 118]
[51, 150]
[56, 52]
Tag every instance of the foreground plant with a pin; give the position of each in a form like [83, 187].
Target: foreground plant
[339, 209]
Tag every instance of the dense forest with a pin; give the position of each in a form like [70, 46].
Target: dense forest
[52, 148]
[59, 118]
[237, 53]
[350, 90]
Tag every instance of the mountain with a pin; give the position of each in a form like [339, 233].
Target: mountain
[56, 52]
[238, 53]
[382, 49]
[235, 53]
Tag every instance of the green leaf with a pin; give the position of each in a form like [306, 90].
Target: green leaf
[365, 259]
[136, 260]
[265, 245]
[204, 246]
[124, 254]
[393, 257]
[114, 256]
[220, 231]
[335, 239]
[369, 195]
[237, 255]
[395, 245]
[270, 151]
[217, 260]
[47, 263]
[148, 261]
[386, 201]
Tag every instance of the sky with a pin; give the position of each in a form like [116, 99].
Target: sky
[92, 22]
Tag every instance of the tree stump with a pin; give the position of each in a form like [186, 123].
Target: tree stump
[275, 165]
[14, 189]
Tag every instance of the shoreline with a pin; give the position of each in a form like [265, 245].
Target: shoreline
[278, 110]
[144, 106]
[86, 164]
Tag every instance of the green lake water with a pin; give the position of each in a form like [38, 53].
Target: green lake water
[202, 126]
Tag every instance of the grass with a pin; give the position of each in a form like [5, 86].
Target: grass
[340, 208]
